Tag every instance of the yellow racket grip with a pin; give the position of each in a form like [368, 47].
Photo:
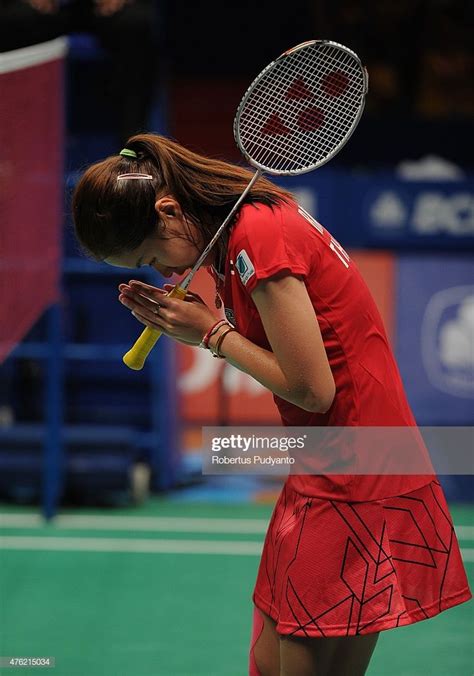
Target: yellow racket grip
[136, 356]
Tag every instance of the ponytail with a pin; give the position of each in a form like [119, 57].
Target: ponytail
[113, 217]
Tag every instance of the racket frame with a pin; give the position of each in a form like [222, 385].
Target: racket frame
[263, 73]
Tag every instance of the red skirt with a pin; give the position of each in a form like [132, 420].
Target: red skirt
[332, 568]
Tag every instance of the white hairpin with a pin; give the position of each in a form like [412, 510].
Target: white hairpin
[134, 175]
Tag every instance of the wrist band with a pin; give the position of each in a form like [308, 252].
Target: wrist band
[214, 328]
[217, 350]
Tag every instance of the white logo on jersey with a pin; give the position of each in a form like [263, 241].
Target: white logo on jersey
[339, 251]
[244, 266]
[333, 244]
[312, 221]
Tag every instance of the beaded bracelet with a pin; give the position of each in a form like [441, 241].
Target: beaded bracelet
[216, 351]
[214, 328]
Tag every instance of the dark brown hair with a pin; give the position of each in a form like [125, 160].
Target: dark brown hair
[113, 217]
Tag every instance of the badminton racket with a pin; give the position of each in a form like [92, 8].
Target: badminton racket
[296, 115]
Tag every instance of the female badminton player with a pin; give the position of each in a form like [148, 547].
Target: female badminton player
[345, 557]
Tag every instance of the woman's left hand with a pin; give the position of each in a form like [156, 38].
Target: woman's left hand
[186, 321]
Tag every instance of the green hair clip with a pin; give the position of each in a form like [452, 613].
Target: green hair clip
[128, 153]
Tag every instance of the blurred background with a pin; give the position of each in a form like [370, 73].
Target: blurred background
[116, 553]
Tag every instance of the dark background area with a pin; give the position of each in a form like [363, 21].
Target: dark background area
[194, 61]
[418, 54]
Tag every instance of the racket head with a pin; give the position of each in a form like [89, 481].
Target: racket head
[302, 108]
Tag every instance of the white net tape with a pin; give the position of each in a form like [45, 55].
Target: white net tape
[301, 111]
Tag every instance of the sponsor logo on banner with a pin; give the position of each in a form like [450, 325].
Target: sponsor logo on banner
[388, 211]
[427, 213]
[435, 213]
[447, 341]
[244, 266]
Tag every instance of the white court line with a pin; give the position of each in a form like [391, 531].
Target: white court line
[134, 546]
[467, 554]
[151, 523]
[142, 523]
[465, 532]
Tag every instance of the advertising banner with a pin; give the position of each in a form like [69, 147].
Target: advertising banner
[435, 336]
[381, 210]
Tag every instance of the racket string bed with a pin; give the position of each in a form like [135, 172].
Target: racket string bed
[312, 72]
[296, 86]
[300, 150]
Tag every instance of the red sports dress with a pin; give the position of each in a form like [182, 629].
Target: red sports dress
[345, 554]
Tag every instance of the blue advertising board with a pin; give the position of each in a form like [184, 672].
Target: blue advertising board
[383, 211]
[435, 336]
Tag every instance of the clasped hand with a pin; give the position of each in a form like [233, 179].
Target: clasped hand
[186, 321]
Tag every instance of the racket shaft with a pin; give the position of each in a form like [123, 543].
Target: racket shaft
[187, 280]
[136, 356]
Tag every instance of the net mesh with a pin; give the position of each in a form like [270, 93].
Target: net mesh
[31, 139]
[302, 109]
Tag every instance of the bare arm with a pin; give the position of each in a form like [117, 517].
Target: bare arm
[297, 369]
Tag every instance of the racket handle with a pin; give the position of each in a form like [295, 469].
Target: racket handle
[136, 356]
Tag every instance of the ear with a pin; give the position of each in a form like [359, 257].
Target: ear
[167, 206]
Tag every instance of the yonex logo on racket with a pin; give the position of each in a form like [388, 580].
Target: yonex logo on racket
[332, 84]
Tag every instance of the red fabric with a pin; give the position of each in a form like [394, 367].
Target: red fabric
[369, 391]
[333, 568]
[31, 166]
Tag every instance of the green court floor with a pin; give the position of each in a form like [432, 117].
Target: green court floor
[165, 590]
